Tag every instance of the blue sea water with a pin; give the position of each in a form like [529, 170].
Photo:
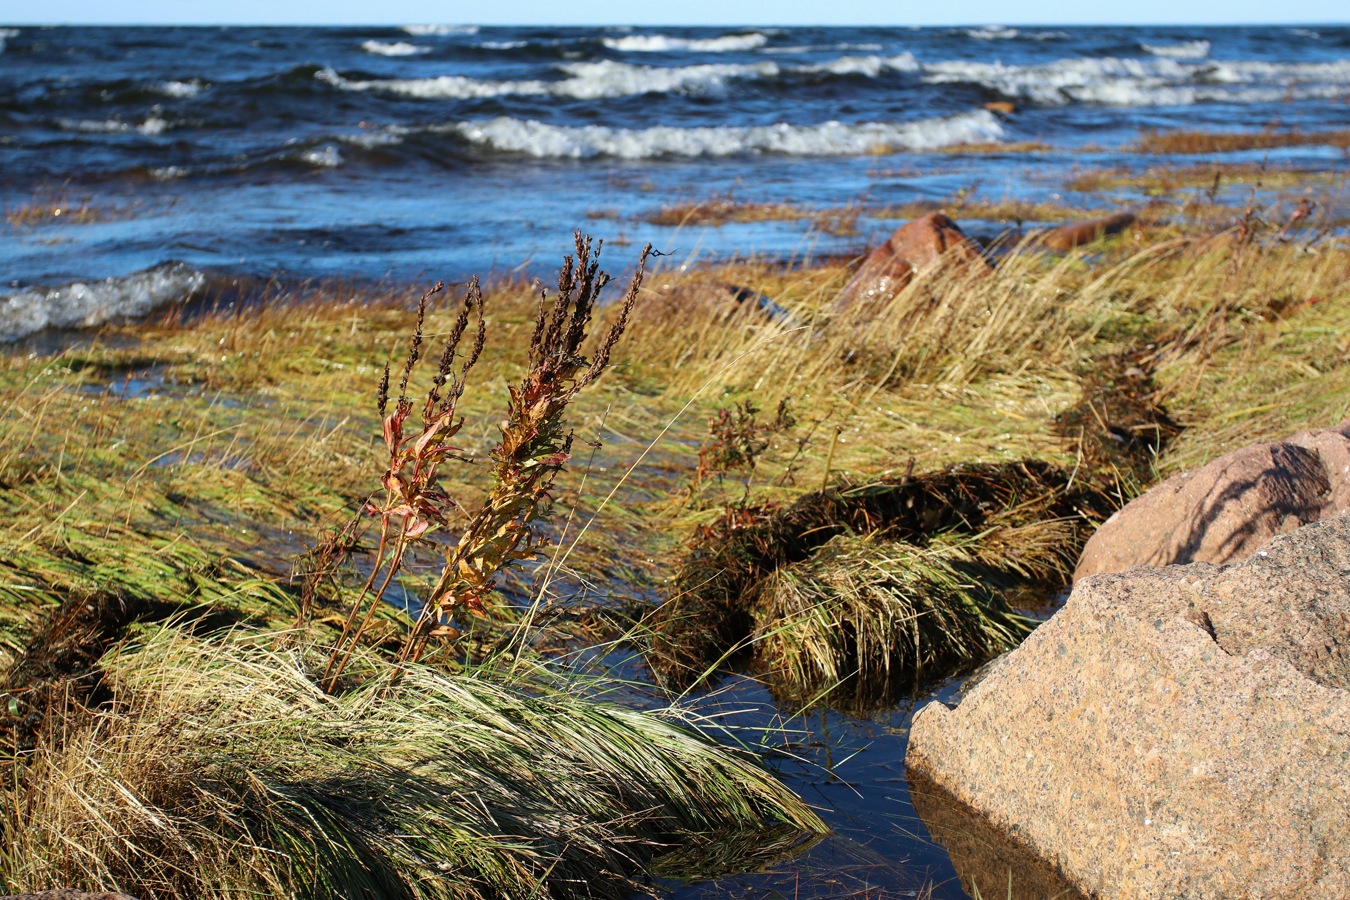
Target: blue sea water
[437, 151]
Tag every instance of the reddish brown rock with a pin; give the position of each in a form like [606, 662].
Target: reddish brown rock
[1181, 732]
[916, 247]
[1075, 234]
[1006, 107]
[1223, 511]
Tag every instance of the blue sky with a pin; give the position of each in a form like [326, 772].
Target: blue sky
[682, 12]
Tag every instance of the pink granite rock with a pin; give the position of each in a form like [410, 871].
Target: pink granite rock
[1179, 732]
[917, 246]
[1223, 511]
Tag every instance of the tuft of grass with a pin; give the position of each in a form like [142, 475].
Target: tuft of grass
[726, 208]
[222, 769]
[863, 613]
[1162, 142]
[1023, 523]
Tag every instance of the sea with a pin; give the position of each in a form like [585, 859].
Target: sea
[181, 157]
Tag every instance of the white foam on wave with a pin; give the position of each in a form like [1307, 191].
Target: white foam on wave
[88, 303]
[503, 45]
[992, 33]
[325, 157]
[871, 66]
[179, 89]
[1162, 81]
[152, 125]
[5, 35]
[393, 48]
[662, 43]
[1256, 72]
[585, 81]
[1185, 50]
[826, 139]
[439, 30]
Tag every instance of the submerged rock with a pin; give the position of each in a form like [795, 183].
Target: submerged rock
[1225, 510]
[913, 248]
[1174, 732]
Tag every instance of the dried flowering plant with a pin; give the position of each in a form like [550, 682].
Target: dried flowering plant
[534, 445]
[533, 448]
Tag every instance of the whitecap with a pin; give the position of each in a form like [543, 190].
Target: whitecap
[871, 66]
[5, 35]
[439, 30]
[825, 139]
[181, 89]
[395, 48]
[1161, 81]
[325, 157]
[503, 45]
[84, 304]
[94, 126]
[661, 43]
[153, 125]
[1186, 50]
[992, 33]
[585, 81]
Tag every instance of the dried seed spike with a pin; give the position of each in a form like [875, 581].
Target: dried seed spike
[480, 338]
[616, 330]
[415, 343]
[447, 361]
[382, 392]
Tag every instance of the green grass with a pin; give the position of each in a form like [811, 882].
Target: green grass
[864, 613]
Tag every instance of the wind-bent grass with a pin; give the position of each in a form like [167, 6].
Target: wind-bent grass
[222, 769]
[132, 469]
[867, 612]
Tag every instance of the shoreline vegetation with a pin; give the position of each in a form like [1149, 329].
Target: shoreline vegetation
[767, 489]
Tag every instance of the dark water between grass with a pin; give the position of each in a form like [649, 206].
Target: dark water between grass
[437, 151]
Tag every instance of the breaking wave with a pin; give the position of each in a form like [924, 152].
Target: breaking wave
[826, 139]
[179, 89]
[151, 125]
[1157, 82]
[393, 48]
[84, 304]
[585, 81]
[1184, 50]
[661, 43]
[439, 30]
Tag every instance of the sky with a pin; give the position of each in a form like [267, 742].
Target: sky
[681, 12]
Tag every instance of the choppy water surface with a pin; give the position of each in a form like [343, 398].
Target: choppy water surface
[437, 150]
